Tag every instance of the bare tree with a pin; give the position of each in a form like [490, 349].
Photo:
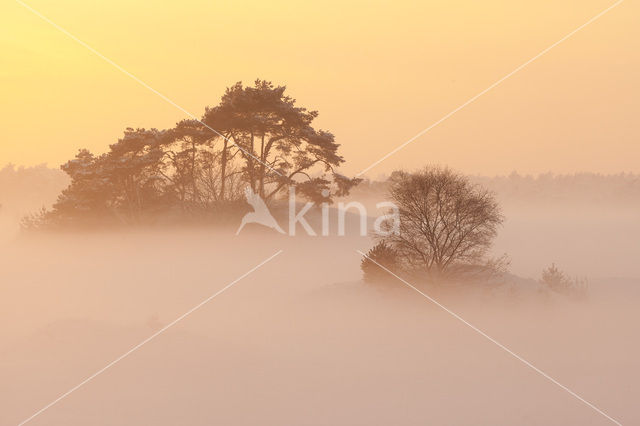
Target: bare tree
[447, 224]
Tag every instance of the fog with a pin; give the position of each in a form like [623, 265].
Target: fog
[302, 340]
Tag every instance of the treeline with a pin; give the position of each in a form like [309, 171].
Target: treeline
[255, 137]
[622, 188]
[25, 189]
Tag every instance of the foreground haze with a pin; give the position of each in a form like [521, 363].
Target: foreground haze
[303, 341]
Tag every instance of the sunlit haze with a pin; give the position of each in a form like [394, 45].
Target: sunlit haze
[378, 73]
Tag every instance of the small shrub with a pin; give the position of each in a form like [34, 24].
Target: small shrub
[35, 221]
[380, 254]
[555, 280]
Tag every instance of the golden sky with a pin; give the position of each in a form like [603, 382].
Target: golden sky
[378, 72]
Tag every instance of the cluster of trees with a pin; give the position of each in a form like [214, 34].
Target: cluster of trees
[256, 136]
[446, 228]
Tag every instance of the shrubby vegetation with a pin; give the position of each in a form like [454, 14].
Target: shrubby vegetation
[553, 279]
[379, 263]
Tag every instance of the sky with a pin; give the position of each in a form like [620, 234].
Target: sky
[378, 73]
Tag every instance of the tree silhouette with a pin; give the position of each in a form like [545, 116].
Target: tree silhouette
[122, 183]
[447, 224]
[277, 142]
[378, 262]
[261, 139]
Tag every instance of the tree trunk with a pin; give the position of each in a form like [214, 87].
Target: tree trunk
[223, 170]
[262, 169]
[250, 162]
[194, 184]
